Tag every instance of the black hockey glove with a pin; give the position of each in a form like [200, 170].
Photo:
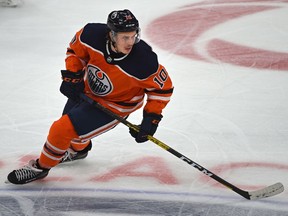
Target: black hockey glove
[72, 84]
[148, 127]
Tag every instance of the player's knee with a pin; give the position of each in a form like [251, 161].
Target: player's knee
[61, 133]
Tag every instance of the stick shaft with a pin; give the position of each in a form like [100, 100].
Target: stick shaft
[205, 171]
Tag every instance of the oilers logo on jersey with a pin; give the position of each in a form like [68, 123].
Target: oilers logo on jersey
[98, 81]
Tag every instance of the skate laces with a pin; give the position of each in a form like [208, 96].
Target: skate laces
[28, 171]
[69, 155]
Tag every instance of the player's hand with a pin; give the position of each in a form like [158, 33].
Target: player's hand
[148, 127]
[72, 84]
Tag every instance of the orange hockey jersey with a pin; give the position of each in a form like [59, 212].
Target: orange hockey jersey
[117, 81]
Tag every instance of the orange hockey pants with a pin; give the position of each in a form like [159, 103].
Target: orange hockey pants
[62, 135]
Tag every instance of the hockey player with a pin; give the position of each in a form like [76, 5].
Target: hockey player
[113, 66]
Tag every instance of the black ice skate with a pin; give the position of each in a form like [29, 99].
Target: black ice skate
[28, 173]
[71, 155]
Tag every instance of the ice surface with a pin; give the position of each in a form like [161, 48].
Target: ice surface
[229, 118]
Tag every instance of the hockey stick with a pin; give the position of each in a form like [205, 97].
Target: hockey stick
[269, 191]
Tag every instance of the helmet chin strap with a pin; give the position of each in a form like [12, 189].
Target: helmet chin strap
[113, 42]
[114, 47]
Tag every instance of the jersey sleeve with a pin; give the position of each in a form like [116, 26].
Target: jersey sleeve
[77, 55]
[159, 89]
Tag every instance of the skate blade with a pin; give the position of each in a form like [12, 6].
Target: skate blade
[7, 181]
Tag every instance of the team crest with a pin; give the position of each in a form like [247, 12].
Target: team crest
[98, 81]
